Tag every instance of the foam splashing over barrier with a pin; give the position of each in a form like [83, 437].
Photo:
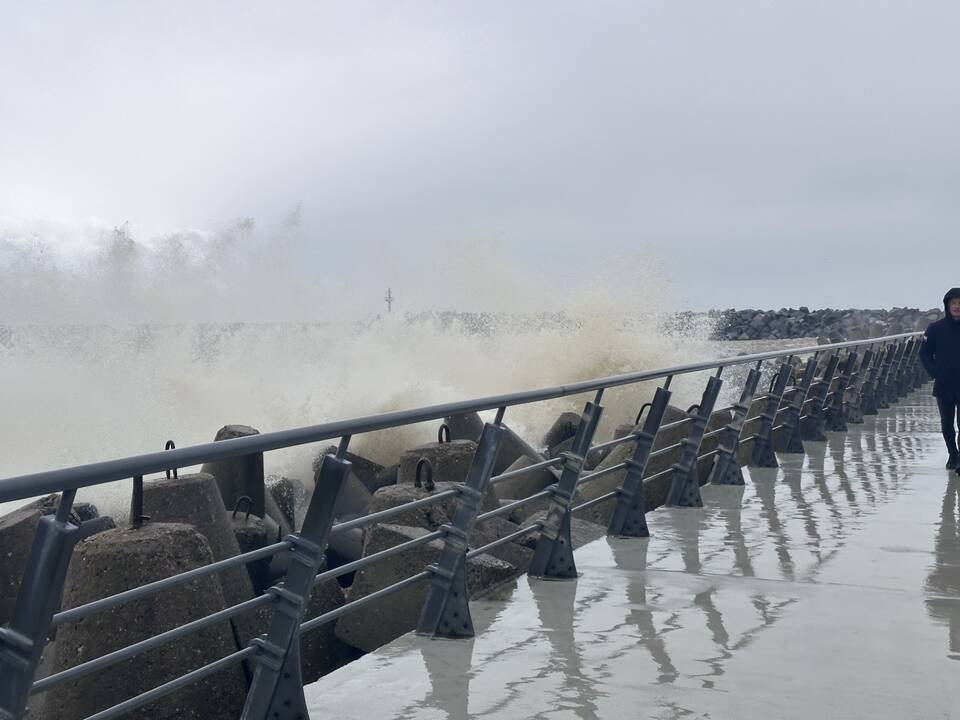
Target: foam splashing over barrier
[112, 346]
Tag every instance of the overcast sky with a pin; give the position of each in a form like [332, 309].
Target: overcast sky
[764, 154]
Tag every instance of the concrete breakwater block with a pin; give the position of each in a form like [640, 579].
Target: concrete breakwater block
[354, 499]
[431, 516]
[194, 500]
[321, 651]
[564, 427]
[373, 625]
[469, 427]
[368, 472]
[450, 461]
[657, 489]
[239, 476]
[524, 485]
[17, 531]
[581, 531]
[518, 553]
[118, 560]
[290, 496]
[78, 513]
[251, 534]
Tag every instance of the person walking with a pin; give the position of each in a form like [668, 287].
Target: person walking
[940, 354]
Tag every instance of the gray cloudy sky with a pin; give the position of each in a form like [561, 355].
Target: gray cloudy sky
[766, 153]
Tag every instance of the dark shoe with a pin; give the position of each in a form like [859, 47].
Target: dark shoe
[953, 462]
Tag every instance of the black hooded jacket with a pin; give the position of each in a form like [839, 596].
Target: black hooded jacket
[940, 353]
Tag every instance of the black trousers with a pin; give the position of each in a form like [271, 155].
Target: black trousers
[949, 406]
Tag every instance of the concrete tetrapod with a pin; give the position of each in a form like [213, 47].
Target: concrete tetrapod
[117, 560]
[17, 531]
[656, 491]
[450, 461]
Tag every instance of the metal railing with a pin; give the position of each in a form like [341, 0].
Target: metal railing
[789, 412]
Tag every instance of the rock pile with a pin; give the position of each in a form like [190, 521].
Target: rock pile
[829, 324]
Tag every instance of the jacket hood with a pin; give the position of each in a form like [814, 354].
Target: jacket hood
[952, 294]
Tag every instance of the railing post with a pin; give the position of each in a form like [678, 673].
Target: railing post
[870, 393]
[629, 518]
[23, 640]
[920, 373]
[813, 428]
[884, 389]
[904, 385]
[763, 454]
[791, 440]
[446, 612]
[893, 382]
[835, 414]
[726, 466]
[857, 382]
[553, 557]
[277, 687]
[685, 484]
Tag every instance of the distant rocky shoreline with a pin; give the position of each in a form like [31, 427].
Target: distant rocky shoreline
[829, 324]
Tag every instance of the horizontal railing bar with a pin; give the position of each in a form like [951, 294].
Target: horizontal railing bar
[138, 648]
[382, 555]
[714, 433]
[600, 473]
[31, 485]
[667, 449]
[357, 604]
[507, 509]
[675, 423]
[174, 685]
[376, 517]
[595, 501]
[630, 437]
[82, 611]
[649, 478]
[505, 539]
[748, 438]
[523, 471]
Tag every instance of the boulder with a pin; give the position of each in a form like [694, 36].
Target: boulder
[120, 559]
[378, 623]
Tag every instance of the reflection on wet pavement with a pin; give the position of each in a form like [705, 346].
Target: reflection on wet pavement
[827, 588]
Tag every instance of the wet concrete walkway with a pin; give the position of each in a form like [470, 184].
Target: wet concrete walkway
[829, 588]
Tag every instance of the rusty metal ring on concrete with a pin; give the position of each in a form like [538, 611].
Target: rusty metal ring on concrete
[171, 446]
[428, 483]
[240, 500]
[640, 414]
[443, 432]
